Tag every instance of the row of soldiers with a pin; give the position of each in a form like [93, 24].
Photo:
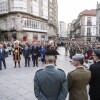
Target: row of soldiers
[85, 48]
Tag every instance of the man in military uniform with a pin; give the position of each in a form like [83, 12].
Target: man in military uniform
[50, 83]
[94, 90]
[78, 79]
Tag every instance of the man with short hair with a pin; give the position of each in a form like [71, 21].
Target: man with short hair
[50, 83]
[78, 79]
[94, 90]
[26, 54]
[2, 56]
[35, 54]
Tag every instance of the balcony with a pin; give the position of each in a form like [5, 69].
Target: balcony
[89, 34]
[89, 23]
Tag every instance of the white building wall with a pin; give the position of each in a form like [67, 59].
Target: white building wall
[93, 26]
[45, 9]
[62, 29]
[18, 5]
[35, 7]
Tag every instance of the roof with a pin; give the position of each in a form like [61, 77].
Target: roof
[91, 12]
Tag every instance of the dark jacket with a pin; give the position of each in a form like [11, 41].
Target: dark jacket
[35, 51]
[3, 54]
[50, 84]
[94, 90]
[26, 52]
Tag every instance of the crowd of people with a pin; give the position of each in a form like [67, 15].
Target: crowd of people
[33, 51]
[51, 83]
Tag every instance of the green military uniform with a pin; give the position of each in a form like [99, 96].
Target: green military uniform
[77, 82]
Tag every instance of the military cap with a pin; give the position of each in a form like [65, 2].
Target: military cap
[78, 57]
[97, 52]
[51, 52]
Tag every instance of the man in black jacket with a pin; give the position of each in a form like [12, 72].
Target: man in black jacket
[35, 54]
[2, 56]
[94, 90]
[26, 54]
[50, 83]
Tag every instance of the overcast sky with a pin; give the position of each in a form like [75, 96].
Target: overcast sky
[69, 9]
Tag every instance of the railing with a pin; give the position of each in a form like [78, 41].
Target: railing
[89, 23]
[88, 34]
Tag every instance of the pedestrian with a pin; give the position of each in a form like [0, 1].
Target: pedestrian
[17, 53]
[2, 57]
[35, 54]
[94, 90]
[50, 83]
[78, 79]
[42, 53]
[53, 47]
[26, 54]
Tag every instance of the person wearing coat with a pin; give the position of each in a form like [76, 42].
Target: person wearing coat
[78, 79]
[35, 54]
[50, 83]
[26, 54]
[2, 57]
[17, 53]
[94, 90]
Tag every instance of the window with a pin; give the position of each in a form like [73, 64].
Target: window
[33, 24]
[88, 31]
[19, 5]
[88, 18]
[89, 23]
[3, 7]
[45, 9]
[35, 8]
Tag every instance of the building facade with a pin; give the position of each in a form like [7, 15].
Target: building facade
[98, 20]
[25, 19]
[85, 26]
[62, 29]
[53, 18]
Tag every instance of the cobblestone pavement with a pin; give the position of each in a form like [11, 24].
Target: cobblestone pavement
[17, 83]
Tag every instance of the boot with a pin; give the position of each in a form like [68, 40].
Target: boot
[15, 65]
[19, 64]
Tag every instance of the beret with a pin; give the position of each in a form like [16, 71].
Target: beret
[78, 57]
[97, 52]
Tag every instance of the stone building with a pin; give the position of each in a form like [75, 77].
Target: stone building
[85, 26]
[27, 19]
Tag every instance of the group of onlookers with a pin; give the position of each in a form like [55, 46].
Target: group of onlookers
[33, 51]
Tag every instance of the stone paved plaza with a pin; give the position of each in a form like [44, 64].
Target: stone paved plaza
[17, 83]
